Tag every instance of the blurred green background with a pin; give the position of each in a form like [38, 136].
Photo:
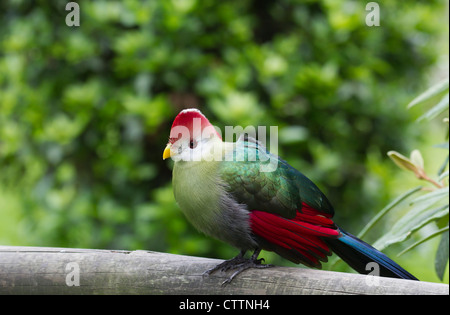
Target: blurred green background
[85, 112]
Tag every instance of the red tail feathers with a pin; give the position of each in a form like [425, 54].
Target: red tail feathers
[298, 239]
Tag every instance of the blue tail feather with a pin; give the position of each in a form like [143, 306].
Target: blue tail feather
[358, 254]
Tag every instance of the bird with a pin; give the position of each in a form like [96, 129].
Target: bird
[242, 194]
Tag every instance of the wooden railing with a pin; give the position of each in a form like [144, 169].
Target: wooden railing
[45, 270]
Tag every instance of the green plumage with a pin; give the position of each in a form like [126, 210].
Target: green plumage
[202, 195]
[196, 191]
[265, 182]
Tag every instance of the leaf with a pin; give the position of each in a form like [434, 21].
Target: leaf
[443, 175]
[417, 159]
[440, 263]
[423, 212]
[423, 240]
[437, 109]
[444, 145]
[409, 164]
[402, 161]
[386, 209]
[443, 166]
[432, 196]
[430, 93]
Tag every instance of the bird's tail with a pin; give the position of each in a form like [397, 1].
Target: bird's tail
[359, 254]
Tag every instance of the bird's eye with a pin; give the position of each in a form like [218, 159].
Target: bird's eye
[192, 144]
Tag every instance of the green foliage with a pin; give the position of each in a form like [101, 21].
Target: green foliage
[427, 96]
[429, 208]
[85, 111]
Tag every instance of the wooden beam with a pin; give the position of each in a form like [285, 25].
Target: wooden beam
[44, 270]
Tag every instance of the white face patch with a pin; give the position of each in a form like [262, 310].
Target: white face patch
[200, 149]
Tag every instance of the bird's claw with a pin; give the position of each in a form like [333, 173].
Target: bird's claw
[240, 263]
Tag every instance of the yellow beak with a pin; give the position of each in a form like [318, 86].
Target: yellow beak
[166, 153]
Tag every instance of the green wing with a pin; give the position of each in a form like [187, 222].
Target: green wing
[265, 182]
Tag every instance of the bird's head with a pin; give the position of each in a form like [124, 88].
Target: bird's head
[192, 137]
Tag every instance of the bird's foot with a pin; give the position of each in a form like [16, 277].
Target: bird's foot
[240, 263]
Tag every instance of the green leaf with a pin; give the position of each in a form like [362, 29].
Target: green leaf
[415, 164]
[444, 145]
[423, 240]
[417, 159]
[440, 263]
[443, 175]
[402, 161]
[386, 209]
[430, 93]
[423, 212]
[437, 109]
[442, 168]
[431, 197]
